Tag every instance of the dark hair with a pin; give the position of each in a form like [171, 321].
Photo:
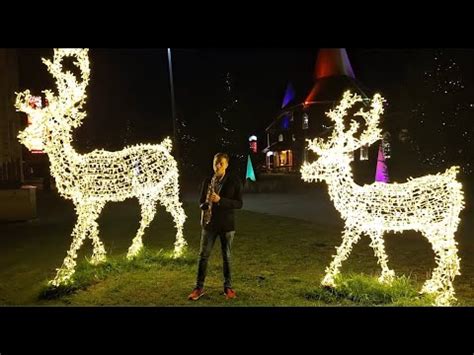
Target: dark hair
[222, 155]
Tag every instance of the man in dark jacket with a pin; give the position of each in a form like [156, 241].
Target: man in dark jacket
[220, 195]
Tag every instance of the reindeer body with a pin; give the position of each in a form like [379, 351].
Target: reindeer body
[147, 172]
[429, 204]
[114, 175]
[397, 207]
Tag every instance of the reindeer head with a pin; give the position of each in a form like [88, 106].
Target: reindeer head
[64, 110]
[335, 151]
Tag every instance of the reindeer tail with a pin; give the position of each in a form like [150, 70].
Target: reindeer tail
[168, 144]
[452, 171]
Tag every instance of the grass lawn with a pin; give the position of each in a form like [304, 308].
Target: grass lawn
[276, 262]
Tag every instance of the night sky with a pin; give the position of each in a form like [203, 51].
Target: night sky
[133, 84]
[129, 93]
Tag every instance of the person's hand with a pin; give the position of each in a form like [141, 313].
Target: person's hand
[215, 198]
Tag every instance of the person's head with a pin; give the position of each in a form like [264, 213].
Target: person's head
[220, 163]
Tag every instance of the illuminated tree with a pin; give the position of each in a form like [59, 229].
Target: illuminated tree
[231, 137]
[189, 146]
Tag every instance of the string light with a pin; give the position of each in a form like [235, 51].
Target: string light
[430, 204]
[147, 172]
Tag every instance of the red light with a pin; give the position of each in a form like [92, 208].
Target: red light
[253, 146]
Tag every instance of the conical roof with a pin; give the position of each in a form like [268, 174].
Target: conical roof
[333, 76]
[333, 62]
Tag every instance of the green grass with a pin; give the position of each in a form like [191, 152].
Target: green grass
[352, 289]
[87, 274]
[364, 290]
[276, 262]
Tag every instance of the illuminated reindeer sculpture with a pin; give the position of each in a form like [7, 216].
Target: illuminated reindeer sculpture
[430, 204]
[147, 172]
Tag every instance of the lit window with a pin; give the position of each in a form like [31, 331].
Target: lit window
[283, 158]
[364, 152]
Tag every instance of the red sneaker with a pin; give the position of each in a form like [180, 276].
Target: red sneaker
[196, 294]
[229, 293]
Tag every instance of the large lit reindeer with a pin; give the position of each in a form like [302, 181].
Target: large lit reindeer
[430, 204]
[147, 172]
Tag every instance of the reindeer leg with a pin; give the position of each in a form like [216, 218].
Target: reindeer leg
[169, 197]
[148, 207]
[177, 211]
[79, 233]
[379, 249]
[441, 282]
[350, 236]
[98, 254]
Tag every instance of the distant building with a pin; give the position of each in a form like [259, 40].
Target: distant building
[10, 148]
[298, 121]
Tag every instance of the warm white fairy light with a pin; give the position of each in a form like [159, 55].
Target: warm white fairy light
[430, 204]
[147, 172]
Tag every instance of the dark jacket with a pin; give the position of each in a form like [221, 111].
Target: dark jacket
[222, 219]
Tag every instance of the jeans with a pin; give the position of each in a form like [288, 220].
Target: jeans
[208, 239]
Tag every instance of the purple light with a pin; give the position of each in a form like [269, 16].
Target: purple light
[381, 173]
[285, 123]
[289, 95]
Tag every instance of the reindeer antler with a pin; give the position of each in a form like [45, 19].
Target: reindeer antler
[372, 119]
[71, 96]
[66, 80]
[71, 92]
[344, 140]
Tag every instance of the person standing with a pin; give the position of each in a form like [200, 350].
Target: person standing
[220, 195]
